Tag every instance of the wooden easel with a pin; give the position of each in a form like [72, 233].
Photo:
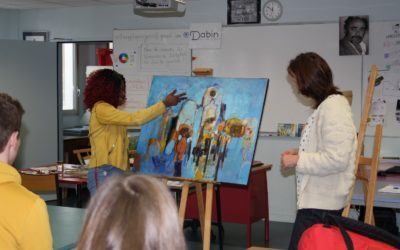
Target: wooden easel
[205, 213]
[369, 182]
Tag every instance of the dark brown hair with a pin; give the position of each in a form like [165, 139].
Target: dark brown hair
[104, 85]
[313, 76]
[132, 212]
[11, 112]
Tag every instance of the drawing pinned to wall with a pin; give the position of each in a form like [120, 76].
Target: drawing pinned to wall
[210, 136]
[385, 100]
[377, 113]
[391, 45]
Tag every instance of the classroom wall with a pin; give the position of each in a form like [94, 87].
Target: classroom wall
[97, 23]
[9, 24]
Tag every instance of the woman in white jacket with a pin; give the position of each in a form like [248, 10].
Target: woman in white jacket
[325, 159]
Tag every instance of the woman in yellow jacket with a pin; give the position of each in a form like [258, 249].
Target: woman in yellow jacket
[104, 93]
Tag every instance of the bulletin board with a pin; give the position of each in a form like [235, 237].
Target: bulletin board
[385, 53]
[140, 54]
[265, 51]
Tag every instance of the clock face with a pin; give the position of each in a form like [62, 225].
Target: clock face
[272, 10]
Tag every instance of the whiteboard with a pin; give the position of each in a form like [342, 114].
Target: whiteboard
[265, 51]
[380, 33]
[140, 54]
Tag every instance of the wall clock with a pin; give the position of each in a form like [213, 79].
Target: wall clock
[272, 10]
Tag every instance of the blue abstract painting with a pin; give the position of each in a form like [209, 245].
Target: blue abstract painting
[212, 135]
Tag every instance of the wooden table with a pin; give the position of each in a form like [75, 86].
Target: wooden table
[67, 178]
[390, 200]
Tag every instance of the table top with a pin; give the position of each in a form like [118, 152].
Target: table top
[68, 173]
[66, 224]
[390, 200]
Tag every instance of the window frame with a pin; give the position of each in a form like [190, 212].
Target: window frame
[75, 89]
[77, 92]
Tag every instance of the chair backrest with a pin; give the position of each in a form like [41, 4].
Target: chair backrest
[41, 183]
[83, 155]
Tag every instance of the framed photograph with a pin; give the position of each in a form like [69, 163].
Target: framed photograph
[38, 36]
[243, 11]
[354, 35]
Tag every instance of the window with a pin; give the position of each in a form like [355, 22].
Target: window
[69, 85]
[74, 59]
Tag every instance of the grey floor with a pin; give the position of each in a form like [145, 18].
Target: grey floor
[235, 236]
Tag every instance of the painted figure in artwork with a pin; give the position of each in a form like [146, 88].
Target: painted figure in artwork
[184, 132]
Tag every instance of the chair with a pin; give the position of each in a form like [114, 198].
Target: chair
[83, 155]
[42, 183]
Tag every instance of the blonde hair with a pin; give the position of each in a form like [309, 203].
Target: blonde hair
[132, 212]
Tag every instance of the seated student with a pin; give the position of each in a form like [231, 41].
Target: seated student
[24, 222]
[132, 212]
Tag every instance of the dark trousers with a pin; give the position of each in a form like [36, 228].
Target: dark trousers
[305, 218]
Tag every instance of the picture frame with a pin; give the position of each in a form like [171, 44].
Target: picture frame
[37, 36]
[244, 11]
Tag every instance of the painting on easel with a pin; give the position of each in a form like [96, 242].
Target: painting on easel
[211, 135]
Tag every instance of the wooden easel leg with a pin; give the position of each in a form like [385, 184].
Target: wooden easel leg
[200, 206]
[207, 219]
[369, 201]
[361, 131]
[182, 206]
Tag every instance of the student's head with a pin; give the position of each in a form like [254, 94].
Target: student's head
[355, 28]
[312, 76]
[11, 112]
[105, 85]
[132, 212]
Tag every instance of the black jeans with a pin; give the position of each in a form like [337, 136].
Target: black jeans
[305, 218]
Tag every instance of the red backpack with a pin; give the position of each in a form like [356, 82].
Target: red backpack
[343, 233]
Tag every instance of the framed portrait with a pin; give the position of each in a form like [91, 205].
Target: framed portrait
[38, 36]
[244, 11]
[354, 35]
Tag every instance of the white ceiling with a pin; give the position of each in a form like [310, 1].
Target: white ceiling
[38, 4]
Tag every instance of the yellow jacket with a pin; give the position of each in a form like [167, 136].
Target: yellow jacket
[24, 222]
[107, 132]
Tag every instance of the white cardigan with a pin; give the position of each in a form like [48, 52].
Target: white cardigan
[325, 168]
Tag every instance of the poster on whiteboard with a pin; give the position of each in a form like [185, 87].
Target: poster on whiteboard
[140, 54]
